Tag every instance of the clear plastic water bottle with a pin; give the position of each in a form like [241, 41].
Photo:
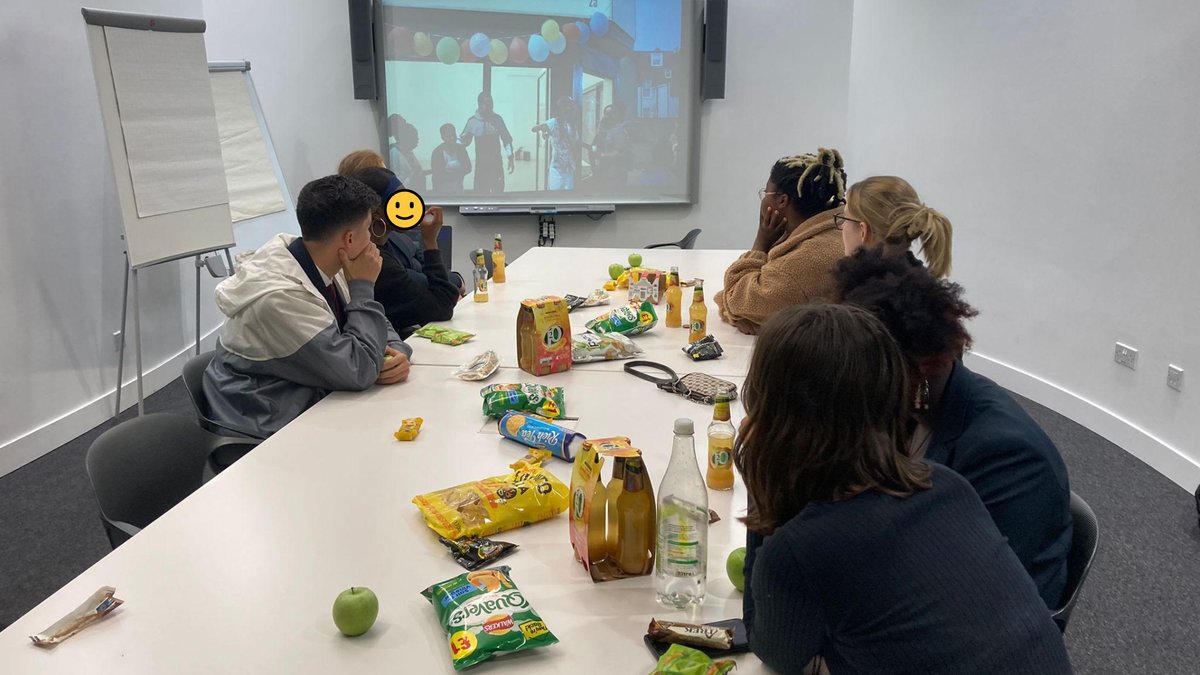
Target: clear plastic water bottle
[681, 558]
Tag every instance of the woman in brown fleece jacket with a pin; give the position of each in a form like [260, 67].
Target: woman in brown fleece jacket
[796, 246]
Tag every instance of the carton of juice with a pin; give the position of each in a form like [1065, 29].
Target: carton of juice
[612, 528]
[647, 284]
[543, 336]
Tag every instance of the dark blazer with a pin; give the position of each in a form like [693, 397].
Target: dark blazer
[981, 433]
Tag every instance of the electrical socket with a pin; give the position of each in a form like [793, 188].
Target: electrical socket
[1175, 377]
[116, 340]
[1126, 356]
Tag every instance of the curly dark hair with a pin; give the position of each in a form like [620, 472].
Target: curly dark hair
[924, 313]
[330, 204]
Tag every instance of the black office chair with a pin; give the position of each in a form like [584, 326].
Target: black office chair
[688, 241]
[1084, 541]
[193, 382]
[141, 468]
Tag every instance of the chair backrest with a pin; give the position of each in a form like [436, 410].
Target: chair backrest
[1084, 542]
[689, 239]
[446, 244]
[141, 468]
[193, 381]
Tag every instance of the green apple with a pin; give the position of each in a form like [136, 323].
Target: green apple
[735, 567]
[635, 259]
[355, 610]
[615, 269]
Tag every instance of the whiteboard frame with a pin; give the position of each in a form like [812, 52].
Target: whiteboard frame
[189, 232]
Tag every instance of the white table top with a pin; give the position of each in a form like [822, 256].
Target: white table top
[562, 271]
[240, 577]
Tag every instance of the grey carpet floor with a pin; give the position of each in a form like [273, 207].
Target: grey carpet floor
[1137, 613]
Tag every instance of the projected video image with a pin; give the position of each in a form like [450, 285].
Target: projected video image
[539, 101]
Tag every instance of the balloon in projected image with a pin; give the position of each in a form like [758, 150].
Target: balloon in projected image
[550, 30]
[464, 52]
[448, 51]
[422, 45]
[560, 45]
[599, 23]
[571, 31]
[585, 33]
[518, 51]
[498, 52]
[539, 49]
[400, 41]
[480, 45]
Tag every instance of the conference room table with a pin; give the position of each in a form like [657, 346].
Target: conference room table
[241, 575]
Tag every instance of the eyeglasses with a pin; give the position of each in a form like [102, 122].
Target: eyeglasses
[762, 192]
[839, 221]
[379, 227]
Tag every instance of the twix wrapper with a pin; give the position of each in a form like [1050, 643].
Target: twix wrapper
[92, 610]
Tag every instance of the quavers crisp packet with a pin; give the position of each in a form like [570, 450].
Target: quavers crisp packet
[484, 507]
[526, 397]
[484, 615]
[538, 432]
[629, 319]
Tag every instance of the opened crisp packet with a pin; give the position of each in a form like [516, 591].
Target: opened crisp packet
[626, 319]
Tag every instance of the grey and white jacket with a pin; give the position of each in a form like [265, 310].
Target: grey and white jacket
[280, 350]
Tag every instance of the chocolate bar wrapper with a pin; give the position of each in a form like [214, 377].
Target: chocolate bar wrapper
[92, 610]
[691, 635]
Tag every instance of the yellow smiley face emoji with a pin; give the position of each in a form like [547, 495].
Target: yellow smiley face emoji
[405, 209]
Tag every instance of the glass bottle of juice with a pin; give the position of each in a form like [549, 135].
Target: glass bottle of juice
[597, 543]
[498, 261]
[674, 300]
[681, 558]
[481, 277]
[698, 314]
[615, 486]
[720, 446]
[635, 521]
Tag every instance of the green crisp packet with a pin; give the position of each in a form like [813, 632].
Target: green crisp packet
[680, 660]
[546, 401]
[484, 615]
[443, 335]
[626, 320]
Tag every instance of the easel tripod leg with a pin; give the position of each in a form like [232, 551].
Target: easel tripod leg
[121, 346]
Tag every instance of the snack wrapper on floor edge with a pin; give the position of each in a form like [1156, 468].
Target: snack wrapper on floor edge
[485, 615]
[549, 402]
[484, 507]
[92, 610]
[680, 660]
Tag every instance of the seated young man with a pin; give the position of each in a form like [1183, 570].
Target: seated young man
[302, 319]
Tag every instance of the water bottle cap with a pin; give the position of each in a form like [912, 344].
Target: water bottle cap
[684, 426]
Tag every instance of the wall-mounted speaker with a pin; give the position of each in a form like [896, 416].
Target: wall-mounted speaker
[362, 50]
[712, 68]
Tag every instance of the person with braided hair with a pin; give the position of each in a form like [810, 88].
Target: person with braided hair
[796, 245]
[886, 210]
[963, 420]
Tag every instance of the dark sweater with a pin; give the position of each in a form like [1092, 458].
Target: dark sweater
[879, 584]
[411, 300]
[981, 433]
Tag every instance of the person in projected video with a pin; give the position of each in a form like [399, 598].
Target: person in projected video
[563, 132]
[490, 134]
[450, 163]
[612, 147]
[403, 161]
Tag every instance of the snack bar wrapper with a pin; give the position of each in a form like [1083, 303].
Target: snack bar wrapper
[443, 335]
[690, 634]
[546, 401]
[484, 507]
[590, 346]
[626, 319]
[539, 432]
[484, 616]
[92, 610]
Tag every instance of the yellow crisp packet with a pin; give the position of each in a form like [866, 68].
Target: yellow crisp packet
[484, 507]
[409, 429]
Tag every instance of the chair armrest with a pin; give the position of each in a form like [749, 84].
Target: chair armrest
[125, 527]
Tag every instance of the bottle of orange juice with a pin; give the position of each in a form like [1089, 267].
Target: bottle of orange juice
[498, 261]
[674, 300]
[636, 521]
[698, 314]
[480, 277]
[720, 446]
[615, 487]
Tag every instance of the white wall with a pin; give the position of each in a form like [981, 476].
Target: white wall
[61, 262]
[1060, 138]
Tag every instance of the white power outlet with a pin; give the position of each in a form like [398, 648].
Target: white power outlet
[1126, 356]
[1175, 377]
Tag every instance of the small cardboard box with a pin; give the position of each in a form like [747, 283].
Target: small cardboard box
[650, 284]
[590, 521]
[543, 336]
